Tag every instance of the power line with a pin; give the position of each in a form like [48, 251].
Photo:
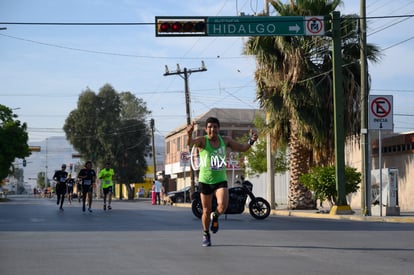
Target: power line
[154, 23]
[113, 53]
[398, 43]
[406, 17]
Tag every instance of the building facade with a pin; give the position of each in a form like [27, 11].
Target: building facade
[398, 153]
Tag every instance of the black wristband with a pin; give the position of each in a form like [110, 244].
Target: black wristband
[251, 141]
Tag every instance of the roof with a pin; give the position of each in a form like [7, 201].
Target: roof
[225, 116]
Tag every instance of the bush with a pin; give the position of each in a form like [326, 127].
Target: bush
[322, 181]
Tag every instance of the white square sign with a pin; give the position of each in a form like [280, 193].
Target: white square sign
[380, 112]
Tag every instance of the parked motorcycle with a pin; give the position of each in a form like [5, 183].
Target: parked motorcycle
[259, 208]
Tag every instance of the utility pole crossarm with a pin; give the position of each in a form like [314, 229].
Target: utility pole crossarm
[180, 72]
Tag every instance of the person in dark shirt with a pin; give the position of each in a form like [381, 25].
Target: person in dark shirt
[88, 177]
[70, 183]
[60, 178]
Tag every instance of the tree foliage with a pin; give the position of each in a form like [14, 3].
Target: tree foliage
[13, 140]
[110, 126]
[40, 181]
[322, 181]
[295, 87]
[259, 152]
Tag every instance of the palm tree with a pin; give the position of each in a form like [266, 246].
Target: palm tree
[294, 86]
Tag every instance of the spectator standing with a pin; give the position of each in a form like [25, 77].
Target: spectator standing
[158, 190]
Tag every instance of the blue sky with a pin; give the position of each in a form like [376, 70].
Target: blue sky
[44, 68]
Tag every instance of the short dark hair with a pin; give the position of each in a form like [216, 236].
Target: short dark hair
[213, 120]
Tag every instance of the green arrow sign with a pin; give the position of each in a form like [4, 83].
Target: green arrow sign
[265, 25]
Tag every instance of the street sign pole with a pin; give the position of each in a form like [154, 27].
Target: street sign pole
[293, 26]
[380, 117]
[341, 206]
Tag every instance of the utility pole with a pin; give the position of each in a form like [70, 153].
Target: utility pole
[184, 74]
[154, 163]
[270, 175]
[365, 168]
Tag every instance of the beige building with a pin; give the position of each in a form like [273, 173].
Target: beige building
[233, 122]
[398, 153]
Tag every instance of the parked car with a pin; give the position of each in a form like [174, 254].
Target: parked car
[178, 196]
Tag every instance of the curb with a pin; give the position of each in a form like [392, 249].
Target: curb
[352, 217]
[313, 215]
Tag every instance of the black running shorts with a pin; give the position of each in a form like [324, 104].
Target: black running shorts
[208, 189]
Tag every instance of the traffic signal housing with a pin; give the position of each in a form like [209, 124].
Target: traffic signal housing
[180, 26]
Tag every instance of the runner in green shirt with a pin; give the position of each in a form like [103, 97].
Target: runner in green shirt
[212, 176]
[106, 176]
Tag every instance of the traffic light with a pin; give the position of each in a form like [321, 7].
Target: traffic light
[24, 163]
[180, 26]
[34, 148]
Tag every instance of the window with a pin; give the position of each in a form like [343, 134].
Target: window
[178, 144]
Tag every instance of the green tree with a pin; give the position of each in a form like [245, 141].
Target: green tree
[294, 86]
[18, 174]
[110, 126]
[259, 152]
[41, 180]
[13, 140]
[321, 180]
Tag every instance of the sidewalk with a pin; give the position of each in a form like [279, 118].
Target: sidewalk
[405, 217]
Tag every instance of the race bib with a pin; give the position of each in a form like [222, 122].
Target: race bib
[107, 181]
[87, 182]
[62, 179]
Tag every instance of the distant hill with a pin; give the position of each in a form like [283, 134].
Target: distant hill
[57, 150]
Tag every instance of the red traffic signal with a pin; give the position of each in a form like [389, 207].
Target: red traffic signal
[180, 26]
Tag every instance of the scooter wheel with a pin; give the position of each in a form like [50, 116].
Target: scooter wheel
[197, 208]
[259, 208]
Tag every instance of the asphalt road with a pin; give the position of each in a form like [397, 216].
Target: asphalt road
[139, 238]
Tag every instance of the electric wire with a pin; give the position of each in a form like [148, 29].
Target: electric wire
[128, 55]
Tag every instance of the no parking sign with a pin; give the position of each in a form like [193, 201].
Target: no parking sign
[184, 159]
[380, 115]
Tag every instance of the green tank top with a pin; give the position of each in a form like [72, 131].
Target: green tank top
[106, 177]
[213, 163]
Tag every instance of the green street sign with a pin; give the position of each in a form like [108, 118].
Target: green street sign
[265, 25]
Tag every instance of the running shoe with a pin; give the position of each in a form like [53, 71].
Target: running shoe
[90, 210]
[206, 240]
[214, 222]
[109, 207]
[104, 207]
